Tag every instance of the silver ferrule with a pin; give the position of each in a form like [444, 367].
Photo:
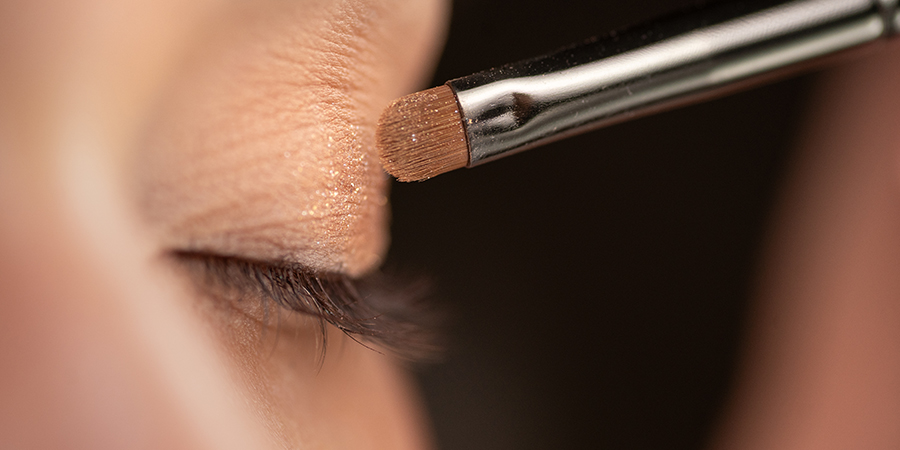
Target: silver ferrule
[656, 67]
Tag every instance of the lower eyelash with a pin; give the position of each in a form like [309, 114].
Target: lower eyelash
[373, 309]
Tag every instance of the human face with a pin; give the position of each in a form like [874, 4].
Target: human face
[141, 137]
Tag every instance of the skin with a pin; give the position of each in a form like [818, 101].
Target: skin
[821, 369]
[130, 129]
[263, 146]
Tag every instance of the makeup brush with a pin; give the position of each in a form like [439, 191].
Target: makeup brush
[683, 59]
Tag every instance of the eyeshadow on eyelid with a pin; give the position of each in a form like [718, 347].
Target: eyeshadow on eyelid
[264, 159]
[322, 202]
[389, 313]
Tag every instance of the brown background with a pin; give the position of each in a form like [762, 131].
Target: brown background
[599, 285]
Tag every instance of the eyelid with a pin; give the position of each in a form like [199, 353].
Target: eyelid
[371, 309]
[262, 144]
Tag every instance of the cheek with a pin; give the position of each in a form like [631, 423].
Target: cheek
[307, 393]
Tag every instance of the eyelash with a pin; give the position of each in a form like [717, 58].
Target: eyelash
[374, 309]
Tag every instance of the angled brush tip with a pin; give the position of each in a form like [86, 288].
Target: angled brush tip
[421, 135]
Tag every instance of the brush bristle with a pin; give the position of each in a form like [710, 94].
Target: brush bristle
[421, 135]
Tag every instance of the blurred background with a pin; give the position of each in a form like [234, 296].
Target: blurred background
[598, 285]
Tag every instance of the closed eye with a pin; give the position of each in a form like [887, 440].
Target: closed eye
[373, 309]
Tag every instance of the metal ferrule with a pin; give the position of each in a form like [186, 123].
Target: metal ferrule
[656, 67]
